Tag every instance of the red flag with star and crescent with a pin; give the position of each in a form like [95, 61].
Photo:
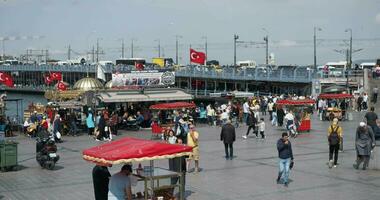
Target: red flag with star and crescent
[56, 76]
[61, 86]
[48, 79]
[6, 79]
[197, 57]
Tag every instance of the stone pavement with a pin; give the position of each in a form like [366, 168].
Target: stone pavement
[251, 175]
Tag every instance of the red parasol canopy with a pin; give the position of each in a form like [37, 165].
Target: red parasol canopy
[172, 106]
[128, 150]
[335, 96]
[295, 102]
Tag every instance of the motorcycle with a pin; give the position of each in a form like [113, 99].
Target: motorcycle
[46, 152]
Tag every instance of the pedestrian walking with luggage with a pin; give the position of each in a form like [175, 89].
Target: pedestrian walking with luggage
[334, 137]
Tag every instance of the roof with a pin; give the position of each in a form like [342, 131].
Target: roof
[130, 149]
[162, 94]
[172, 106]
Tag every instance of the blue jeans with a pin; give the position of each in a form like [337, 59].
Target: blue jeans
[284, 169]
[245, 117]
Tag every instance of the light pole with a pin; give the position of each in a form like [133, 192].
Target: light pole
[350, 54]
[315, 46]
[266, 39]
[176, 48]
[236, 37]
[205, 37]
[132, 47]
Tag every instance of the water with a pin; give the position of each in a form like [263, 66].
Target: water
[16, 114]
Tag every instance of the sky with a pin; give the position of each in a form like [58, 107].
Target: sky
[289, 25]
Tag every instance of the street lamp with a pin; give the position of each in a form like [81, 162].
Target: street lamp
[159, 47]
[266, 39]
[315, 46]
[176, 48]
[132, 40]
[350, 54]
[205, 38]
[236, 37]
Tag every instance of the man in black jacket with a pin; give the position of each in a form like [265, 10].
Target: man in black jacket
[285, 155]
[228, 137]
[251, 122]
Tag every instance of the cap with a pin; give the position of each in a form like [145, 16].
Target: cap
[362, 124]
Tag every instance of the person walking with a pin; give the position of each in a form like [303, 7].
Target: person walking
[100, 178]
[280, 116]
[372, 119]
[193, 141]
[90, 123]
[228, 136]
[270, 109]
[251, 122]
[245, 112]
[101, 128]
[285, 154]
[335, 137]
[364, 143]
[375, 92]
[261, 128]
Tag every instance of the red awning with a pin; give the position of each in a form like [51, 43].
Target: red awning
[172, 106]
[129, 149]
[335, 96]
[295, 102]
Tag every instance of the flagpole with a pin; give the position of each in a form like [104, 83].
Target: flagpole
[190, 54]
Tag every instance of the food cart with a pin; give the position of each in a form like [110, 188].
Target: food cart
[300, 107]
[335, 111]
[129, 150]
[156, 127]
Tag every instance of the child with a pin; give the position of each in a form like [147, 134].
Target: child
[172, 139]
[262, 128]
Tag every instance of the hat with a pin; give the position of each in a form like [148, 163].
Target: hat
[335, 120]
[362, 124]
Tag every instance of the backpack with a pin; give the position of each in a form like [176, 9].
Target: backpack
[334, 137]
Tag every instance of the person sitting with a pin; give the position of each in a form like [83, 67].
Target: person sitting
[140, 118]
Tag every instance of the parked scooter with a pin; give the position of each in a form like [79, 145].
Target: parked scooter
[46, 152]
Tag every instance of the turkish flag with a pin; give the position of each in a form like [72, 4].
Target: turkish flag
[48, 79]
[56, 76]
[6, 79]
[197, 57]
[61, 86]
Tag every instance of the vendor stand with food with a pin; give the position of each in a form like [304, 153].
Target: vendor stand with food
[336, 106]
[165, 119]
[134, 150]
[302, 109]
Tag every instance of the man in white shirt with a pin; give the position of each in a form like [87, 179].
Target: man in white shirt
[245, 111]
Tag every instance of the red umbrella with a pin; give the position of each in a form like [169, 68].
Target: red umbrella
[172, 106]
[129, 149]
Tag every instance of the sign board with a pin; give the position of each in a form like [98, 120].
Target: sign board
[143, 78]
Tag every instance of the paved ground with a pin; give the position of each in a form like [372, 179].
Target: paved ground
[251, 175]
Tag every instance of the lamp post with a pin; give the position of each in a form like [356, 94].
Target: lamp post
[205, 38]
[236, 37]
[159, 47]
[176, 48]
[315, 46]
[132, 47]
[266, 39]
[350, 54]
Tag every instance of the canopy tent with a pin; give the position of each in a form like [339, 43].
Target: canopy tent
[335, 96]
[146, 95]
[129, 149]
[172, 106]
[295, 102]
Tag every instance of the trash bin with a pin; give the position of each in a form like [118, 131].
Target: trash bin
[8, 155]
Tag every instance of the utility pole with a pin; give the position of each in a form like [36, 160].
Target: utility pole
[68, 53]
[350, 54]
[205, 37]
[176, 49]
[236, 37]
[97, 50]
[132, 48]
[93, 54]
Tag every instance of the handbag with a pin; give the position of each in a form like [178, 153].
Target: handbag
[291, 164]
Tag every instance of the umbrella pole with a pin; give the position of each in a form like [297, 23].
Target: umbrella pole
[151, 178]
[182, 185]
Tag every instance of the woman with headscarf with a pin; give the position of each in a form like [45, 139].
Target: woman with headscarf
[364, 143]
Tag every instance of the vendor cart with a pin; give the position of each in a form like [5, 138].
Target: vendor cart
[157, 128]
[335, 109]
[128, 150]
[301, 108]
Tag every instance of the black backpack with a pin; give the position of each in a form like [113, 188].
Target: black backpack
[334, 137]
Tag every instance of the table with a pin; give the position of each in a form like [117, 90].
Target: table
[156, 174]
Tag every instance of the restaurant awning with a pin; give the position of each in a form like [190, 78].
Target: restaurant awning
[129, 149]
[295, 102]
[335, 96]
[172, 106]
[162, 94]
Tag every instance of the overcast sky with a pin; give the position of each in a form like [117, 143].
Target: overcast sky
[289, 24]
